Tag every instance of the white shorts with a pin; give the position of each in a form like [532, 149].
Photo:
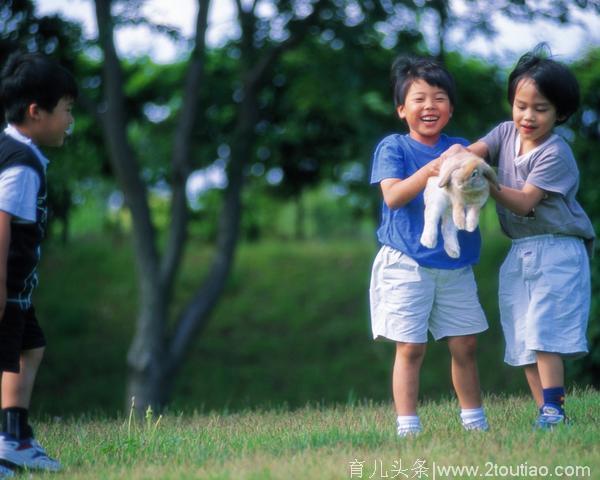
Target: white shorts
[407, 300]
[544, 298]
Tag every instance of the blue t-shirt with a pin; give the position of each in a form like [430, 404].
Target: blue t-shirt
[400, 156]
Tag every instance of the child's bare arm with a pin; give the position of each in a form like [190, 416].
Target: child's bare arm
[5, 219]
[398, 192]
[479, 148]
[521, 201]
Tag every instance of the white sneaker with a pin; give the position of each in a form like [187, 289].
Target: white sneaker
[408, 426]
[409, 431]
[480, 425]
[26, 453]
[474, 419]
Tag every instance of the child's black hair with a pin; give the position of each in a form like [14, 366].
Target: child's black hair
[33, 78]
[406, 70]
[553, 80]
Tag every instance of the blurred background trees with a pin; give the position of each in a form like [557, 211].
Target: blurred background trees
[263, 143]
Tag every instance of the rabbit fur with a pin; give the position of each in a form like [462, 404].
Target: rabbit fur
[456, 197]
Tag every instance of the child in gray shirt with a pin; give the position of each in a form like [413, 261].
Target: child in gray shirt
[545, 289]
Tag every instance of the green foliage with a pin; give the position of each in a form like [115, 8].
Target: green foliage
[320, 442]
[585, 128]
[480, 100]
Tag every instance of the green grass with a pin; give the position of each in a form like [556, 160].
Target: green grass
[285, 383]
[317, 442]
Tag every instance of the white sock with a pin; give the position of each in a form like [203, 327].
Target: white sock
[474, 418]
[408, 424]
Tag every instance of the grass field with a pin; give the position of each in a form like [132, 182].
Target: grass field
[335, 442]
[285, 383]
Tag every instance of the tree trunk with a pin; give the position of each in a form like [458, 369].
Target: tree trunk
[195, 317]
[147, 355]
[145, 351]
[150, 382]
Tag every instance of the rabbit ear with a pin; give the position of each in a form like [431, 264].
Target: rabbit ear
[445, 179]
[468, 166]
[490, 175]
[449, 165]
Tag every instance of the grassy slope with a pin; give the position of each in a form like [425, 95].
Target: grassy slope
[320, 442]
[292, 327]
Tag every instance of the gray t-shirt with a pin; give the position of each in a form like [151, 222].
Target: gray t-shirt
[550, 167]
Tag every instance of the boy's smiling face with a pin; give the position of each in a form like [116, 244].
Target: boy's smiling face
[50, 128]
[427, 110]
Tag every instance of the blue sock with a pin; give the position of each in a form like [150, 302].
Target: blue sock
[555, 397]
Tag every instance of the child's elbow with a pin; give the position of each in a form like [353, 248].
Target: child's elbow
[528, 206]
[392, 203]
[525, 208]
[522, 212]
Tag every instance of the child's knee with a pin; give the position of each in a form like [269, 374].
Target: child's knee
[463, 349]
[410, 352]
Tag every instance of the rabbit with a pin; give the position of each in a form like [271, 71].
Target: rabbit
[456, 196]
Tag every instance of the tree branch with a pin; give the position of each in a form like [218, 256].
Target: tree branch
[115, 129]
[182, 151]
[150, 325]
[196, 314]
[257, 76]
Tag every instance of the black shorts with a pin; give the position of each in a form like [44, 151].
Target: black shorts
[19, 330]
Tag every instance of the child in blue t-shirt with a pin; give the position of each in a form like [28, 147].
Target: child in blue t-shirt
[415, 289]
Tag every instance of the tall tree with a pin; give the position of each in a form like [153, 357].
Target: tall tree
[151, 359]
[157, 352]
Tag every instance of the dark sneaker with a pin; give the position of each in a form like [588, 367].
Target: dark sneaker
[26, 453]
[549, 418]
[6, 472]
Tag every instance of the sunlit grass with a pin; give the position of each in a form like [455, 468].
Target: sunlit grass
[319, 442]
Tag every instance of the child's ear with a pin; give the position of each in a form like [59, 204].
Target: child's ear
[400, 111]
[33, 111]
